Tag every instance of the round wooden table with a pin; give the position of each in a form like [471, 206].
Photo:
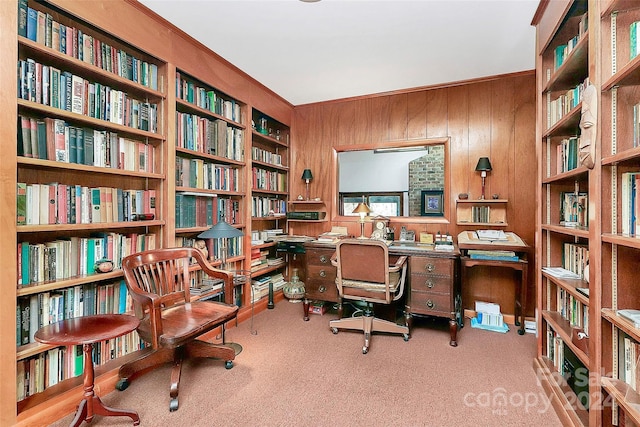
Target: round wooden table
[88, 330]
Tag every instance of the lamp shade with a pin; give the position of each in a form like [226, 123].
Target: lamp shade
[307, 174]
[483, 164]
[362, 208]
[220, 231]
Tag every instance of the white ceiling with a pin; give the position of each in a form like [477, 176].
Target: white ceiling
[331, 49]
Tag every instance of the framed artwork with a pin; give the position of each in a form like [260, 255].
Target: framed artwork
[432, 203]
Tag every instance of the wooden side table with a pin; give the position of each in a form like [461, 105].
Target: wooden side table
[88, 330]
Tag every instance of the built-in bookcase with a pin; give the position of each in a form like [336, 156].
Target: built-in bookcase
[564, 308]
[89, 186]
[269, 190]
[620, 96]
[210, 161]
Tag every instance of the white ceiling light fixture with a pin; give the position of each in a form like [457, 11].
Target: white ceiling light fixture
[309, 1]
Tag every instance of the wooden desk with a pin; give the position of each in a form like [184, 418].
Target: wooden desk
[88, 330]
[433, 286]
[467, 240]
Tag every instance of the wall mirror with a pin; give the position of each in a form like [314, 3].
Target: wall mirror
[408, 179]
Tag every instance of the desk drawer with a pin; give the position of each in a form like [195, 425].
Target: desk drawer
[324, 290]
[428, 283]
[433, 266]
[320, 257]
[431, 303]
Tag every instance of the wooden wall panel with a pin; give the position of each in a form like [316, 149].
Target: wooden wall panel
[494, 117]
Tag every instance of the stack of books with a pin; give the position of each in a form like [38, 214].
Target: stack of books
[496, 255]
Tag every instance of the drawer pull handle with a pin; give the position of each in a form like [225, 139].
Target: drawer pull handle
[430, 284]
[323, 259]
[322, 288]
[430, 268]
[430, 304]
[323, 273]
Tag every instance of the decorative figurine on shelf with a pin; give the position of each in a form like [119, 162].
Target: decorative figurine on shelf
[103, 266]
[202, 245]
[588, 129]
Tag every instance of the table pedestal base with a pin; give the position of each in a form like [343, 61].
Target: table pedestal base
[91, 404]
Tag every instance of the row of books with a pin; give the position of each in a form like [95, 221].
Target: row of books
[629, 204]
[204, 210]
[268, 180]
[629, 356]
[266, 156]
[575, 258]
[54, 139]
[559, 107]
[480, 213]
[574, 209]
[214, 137]
[572, 310]
[564, 50]
[497, 255]
[48, 85]
[37, 373]
[214, 248]
[197, 173]
[41, 28]
[567, 154]
[260, 286]
[75, 256]
[634, 46]
[207, 99]
[267, 206]
[55, 203]
[45, 308]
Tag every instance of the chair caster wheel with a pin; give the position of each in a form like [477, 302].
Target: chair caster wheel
[365, 350]
[173, 405]
[334, 330]
[406, 337]
[122, 384]
[228, 364]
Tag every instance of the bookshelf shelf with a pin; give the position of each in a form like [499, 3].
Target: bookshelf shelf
[625, 396]
[469, 212]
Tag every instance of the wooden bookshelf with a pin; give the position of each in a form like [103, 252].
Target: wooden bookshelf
[563, 63]
[130, 27]
[471, 212]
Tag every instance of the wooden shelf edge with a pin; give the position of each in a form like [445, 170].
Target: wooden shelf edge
[621, 323]
[564, 329]
[558, 394]
[624, 395]
[570, 286]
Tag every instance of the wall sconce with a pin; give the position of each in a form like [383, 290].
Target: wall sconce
[363, 210]
[483, 166]
[307, 176]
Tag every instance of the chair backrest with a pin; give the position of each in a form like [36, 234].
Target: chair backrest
[363, 271]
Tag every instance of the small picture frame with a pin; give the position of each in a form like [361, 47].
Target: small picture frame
[432, 203]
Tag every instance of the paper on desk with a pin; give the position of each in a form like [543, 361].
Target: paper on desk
[491, 235]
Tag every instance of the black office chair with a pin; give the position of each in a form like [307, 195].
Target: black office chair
[366, 273]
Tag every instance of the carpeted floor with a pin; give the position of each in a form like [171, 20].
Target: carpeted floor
[294, 373]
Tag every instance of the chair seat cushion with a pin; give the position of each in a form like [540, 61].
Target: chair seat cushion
[394, 282]
[183, 322]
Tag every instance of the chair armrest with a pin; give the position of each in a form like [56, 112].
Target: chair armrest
[334, 259]
[211, 271]
[398, 264]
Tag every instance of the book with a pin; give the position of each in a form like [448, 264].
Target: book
[22, 18]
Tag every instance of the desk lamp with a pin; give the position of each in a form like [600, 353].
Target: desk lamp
[221, 231]
[307, 176]
[483, 166]
[362, 209]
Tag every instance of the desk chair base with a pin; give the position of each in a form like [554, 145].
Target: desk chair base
[368, 324]
[176, 355]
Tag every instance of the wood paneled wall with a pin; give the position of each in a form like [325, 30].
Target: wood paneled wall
[493, 117]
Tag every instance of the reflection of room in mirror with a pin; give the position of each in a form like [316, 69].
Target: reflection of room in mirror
[391, 181]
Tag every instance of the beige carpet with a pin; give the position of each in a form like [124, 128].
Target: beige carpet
[296, 373]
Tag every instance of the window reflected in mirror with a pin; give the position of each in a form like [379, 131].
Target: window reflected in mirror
[392, 180]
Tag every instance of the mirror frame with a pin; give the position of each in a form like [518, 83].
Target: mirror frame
[445, 219]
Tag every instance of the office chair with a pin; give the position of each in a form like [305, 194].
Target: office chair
[158, 281]
[364, 274]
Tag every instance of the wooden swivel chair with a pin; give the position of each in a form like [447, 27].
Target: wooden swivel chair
[364, 274]
[158, 281]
